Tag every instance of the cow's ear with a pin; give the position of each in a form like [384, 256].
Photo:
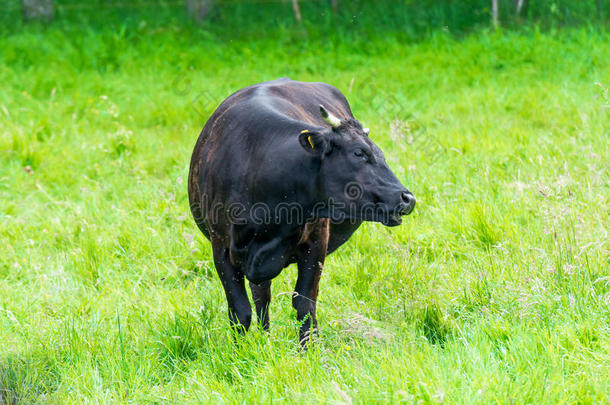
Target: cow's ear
[313, 141]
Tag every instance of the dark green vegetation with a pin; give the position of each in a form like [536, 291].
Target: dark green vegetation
[496, 288]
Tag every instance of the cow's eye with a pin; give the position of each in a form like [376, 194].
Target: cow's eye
[359, 153]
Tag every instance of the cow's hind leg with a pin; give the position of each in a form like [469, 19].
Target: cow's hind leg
[240, 311]
[310, 260]
[261, 294]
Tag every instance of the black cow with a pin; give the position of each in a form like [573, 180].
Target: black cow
[283, 173]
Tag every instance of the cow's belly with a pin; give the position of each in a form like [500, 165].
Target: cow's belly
[261, 254]
[263, 259]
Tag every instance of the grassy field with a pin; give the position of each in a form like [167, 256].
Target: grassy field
[496, 289]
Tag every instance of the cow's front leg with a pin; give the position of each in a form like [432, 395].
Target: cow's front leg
[310, 260]
[240, 311]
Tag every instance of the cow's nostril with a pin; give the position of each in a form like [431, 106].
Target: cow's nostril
[408, 198]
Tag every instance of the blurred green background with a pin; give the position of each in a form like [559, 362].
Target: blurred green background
[407, 19]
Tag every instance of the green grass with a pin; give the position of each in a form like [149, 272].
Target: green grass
[496, 289]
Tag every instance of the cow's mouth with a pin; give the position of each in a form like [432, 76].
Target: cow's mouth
[395, 217]
[392, 220]
[406, 209]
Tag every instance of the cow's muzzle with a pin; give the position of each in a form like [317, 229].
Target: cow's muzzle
[405, 207]
[407, 204]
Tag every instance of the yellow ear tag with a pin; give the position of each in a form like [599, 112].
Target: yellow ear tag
[306, 131]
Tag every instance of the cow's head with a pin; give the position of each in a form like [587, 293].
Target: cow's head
[354, 180]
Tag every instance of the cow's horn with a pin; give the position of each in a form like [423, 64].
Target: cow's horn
[328, 117]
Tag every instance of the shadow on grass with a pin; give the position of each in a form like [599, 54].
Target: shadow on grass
[434, 324]
[24, 381]
[182, 337]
